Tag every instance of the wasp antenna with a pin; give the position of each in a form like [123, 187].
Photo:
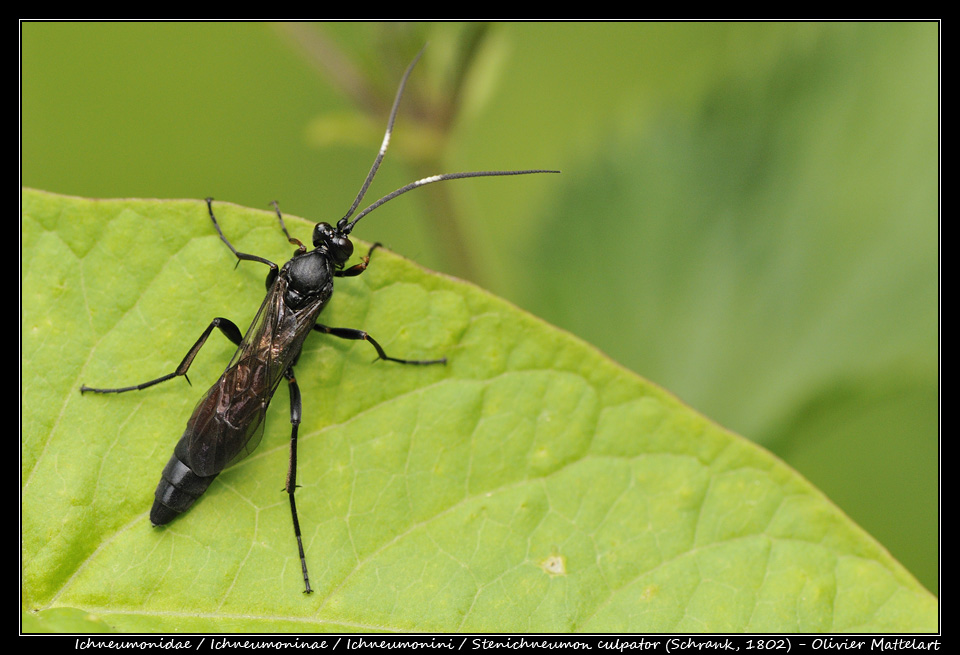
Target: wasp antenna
[436, 178]
[386, 140]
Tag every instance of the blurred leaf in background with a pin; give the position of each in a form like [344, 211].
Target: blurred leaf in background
[747, 214]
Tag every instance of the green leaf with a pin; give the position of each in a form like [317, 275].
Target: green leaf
[531, 484]
[63, 619]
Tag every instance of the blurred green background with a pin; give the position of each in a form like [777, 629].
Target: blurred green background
[747, 215]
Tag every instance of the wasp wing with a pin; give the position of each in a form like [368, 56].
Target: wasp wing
[227, 424]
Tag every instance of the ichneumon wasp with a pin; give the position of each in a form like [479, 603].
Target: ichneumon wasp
[228, 422]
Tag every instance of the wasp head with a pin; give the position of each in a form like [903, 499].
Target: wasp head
[334, 241]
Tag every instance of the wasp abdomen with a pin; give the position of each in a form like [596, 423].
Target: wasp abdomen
[179, 488]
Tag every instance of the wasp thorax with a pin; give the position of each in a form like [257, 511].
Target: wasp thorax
[309, 277]
[337, 244]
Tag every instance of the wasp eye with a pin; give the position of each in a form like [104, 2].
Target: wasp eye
[341, 248]
[323, 233]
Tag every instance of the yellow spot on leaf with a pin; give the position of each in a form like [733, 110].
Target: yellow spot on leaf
[555, 565]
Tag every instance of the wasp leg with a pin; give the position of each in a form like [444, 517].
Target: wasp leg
[357, 269]
[243, 256]
[360, 335]
[299, 244]
[295, 409]
[229, 329]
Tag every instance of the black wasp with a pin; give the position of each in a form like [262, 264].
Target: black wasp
[227, 423]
